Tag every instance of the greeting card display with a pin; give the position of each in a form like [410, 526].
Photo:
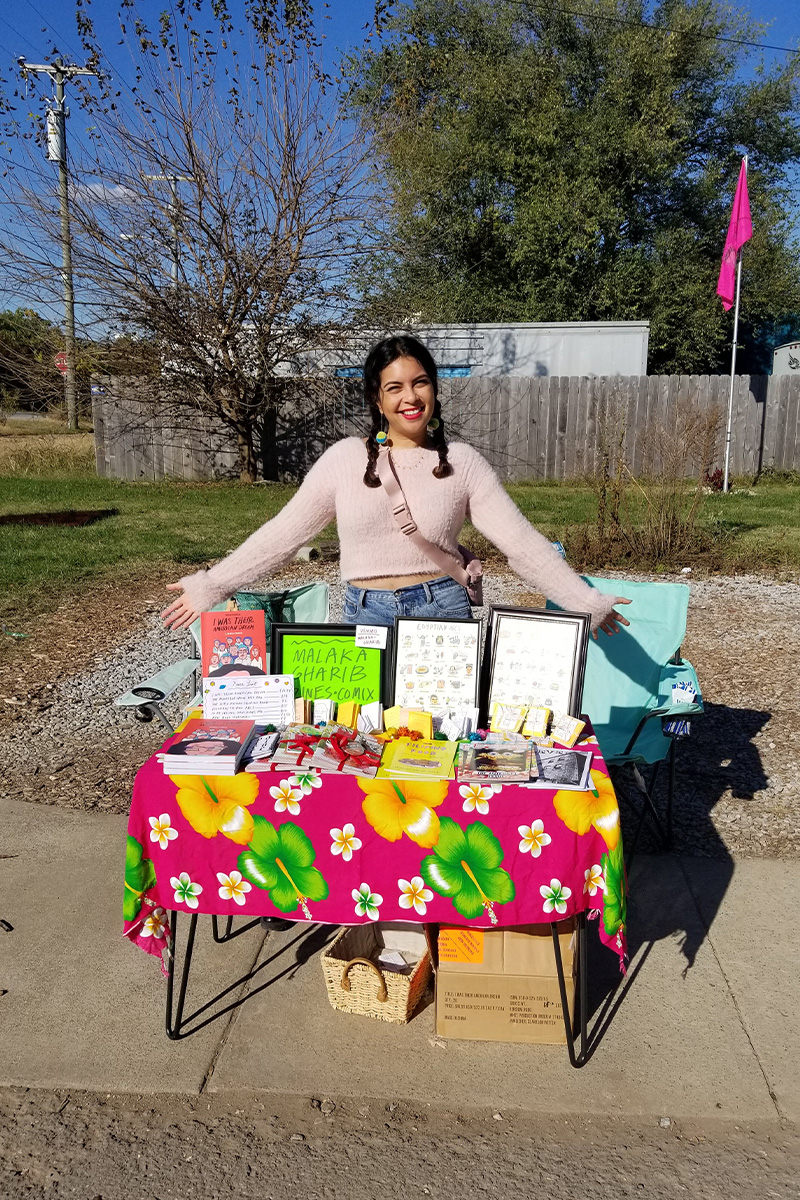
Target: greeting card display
[328, 664]
[436, 663]
[536, 658]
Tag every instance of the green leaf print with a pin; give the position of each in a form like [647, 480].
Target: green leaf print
[140, 876]
[280, 861]
[465, 868]
[615, 900]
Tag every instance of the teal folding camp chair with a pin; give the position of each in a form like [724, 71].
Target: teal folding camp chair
[627, 690]
[307, 603]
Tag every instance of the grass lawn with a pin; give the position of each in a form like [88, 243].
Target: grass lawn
[157, 528]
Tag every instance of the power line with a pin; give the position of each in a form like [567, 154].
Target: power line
[712, 37]
[17, 33]
[49, 22]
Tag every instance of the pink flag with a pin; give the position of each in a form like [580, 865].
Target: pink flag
[740, 230]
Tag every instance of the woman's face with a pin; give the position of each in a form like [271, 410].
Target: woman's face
[406, 400]
[200, 747]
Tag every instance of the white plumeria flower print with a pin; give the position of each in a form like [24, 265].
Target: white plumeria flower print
[233, 887]
[555, 896]
[156, 924]
[305, 781]
[476, 796]
[593, 877]
[161, 830]
[367, 902]
[186, 892]
[286, 797]
[533, 838]
[344, 841]
[414, 894]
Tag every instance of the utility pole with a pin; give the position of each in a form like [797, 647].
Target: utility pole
[173, 181]
[61, 72]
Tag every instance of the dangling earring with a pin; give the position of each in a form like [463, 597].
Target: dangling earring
[381, 437]
[433, 424]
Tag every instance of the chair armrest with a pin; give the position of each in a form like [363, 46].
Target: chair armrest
[682, 672]
[165, 682]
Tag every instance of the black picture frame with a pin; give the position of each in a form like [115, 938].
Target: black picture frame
[580, 623]
[285, 633]
[472, 698]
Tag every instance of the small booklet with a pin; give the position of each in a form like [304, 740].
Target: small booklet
[347, 752]
[501, 761]
[567, 770]
[208, 748]
[259, 752]
[297, 745]
[407, 759]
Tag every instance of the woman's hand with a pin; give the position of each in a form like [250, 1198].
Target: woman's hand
[614, 621]
[180, 614]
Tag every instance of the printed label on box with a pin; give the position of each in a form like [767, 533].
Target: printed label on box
[461, 945]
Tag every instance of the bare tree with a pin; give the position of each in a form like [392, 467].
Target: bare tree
[218, 209]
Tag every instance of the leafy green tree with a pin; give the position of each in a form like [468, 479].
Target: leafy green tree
[28, 375]
[545, 164]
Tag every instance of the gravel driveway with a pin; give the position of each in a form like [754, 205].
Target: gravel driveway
[66, 744]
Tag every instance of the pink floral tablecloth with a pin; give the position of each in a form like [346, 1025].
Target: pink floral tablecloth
[342, 850]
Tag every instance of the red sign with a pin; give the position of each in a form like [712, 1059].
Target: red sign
[61, 361]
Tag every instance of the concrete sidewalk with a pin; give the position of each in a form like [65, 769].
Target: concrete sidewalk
[706, 1027]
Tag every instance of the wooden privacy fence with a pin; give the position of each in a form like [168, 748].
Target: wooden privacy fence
[529, 428]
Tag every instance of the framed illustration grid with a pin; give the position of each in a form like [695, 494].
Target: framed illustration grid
[436, 663]
[536, 657]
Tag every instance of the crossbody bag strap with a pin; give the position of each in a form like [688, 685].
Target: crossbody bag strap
[402, 515]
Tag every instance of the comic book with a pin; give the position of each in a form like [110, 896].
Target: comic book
[233, 641]
[208, 748]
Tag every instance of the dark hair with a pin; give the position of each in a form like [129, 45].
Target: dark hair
[235, 666]
[380, 357]
[228, 746]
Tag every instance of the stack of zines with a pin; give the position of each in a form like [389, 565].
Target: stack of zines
[208, 748]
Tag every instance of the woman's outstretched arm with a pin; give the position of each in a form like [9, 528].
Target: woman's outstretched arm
[529, 553]
[265, 551]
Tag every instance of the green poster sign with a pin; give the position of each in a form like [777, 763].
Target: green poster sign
[331, 667]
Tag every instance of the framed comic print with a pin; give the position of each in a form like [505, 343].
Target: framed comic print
[327, 664]
[535, 657]
[436, 663]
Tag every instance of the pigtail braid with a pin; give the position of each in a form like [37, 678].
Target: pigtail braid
[370, 475]
[439, 442]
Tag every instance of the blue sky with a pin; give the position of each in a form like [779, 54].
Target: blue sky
[30, 27]
[342, 24]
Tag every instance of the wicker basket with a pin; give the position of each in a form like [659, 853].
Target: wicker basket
[356, 984]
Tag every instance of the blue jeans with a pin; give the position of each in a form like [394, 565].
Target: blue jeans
[438, 598]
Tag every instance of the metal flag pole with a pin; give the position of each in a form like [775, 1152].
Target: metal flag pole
[726, 480]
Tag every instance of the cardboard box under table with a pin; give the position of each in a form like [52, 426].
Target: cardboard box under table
[501, 985]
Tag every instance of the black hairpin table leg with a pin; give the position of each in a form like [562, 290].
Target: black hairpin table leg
[582, 1057]
[174, 1024]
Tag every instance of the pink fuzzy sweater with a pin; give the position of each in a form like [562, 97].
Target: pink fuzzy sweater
[372, 545]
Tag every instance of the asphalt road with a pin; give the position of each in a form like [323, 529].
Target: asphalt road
[120, 1148]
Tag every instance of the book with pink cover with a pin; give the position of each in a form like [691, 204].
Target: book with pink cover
[233, 641]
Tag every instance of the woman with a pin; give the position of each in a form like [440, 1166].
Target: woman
[444, 485]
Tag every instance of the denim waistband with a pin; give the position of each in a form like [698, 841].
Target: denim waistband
[408, 592]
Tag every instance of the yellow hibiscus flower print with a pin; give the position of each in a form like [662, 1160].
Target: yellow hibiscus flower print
[394, 807]
[218, 804]
[598, 807]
